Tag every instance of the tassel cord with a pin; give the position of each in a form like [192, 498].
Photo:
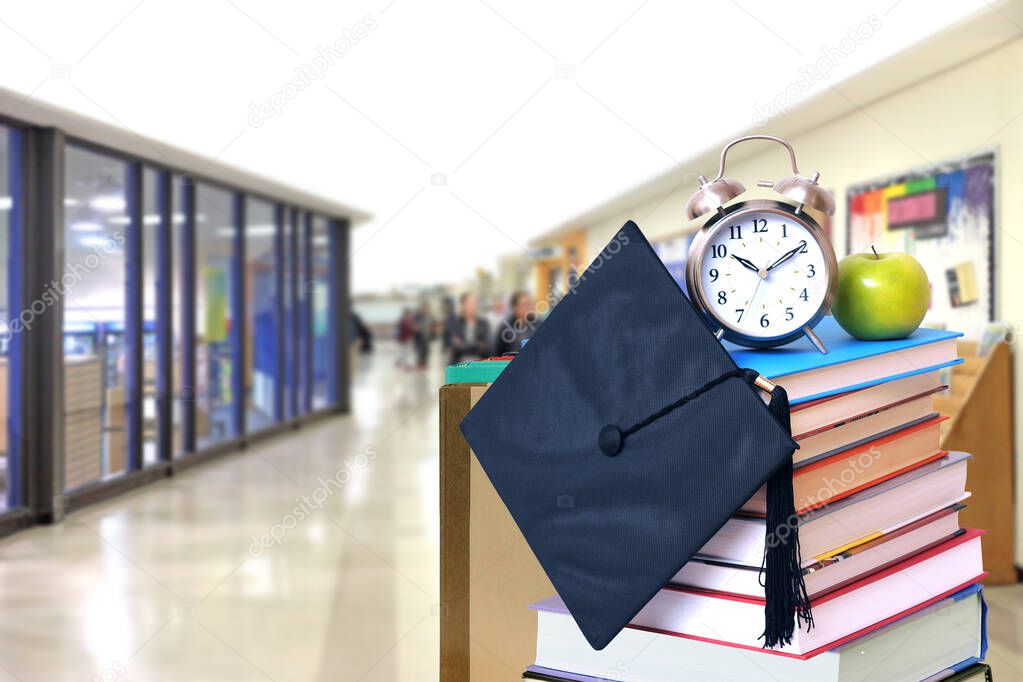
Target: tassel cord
[786, 601]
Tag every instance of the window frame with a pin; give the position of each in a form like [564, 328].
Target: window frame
[36, 164]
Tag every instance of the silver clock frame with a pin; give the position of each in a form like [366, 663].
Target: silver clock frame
[698, 251]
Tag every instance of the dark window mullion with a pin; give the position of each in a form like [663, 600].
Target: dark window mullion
[308, 293]
[293, 319]
[280, 328]
[238, 315]
[133, 317]
[338, 309]
[189, 391]
[164, 317]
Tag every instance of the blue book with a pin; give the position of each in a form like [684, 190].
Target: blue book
[972, 667]
[849, 364]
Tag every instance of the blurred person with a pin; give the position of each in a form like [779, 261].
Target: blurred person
[448, 319]
[575, 266]
[422, 332]
[469, 332]
[518, 326]
[363, 333]
[404, 333]
[496, 311]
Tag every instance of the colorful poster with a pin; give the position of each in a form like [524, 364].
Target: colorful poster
[215, 283]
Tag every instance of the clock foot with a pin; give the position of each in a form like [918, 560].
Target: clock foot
[815, 340]
[719, 333]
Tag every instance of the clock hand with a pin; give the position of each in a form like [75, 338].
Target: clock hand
[749, 303]
[785, 256]
[749, 265]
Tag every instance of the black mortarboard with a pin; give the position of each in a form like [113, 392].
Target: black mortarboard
[623, 437]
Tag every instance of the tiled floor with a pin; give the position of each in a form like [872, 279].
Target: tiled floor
[311, 557]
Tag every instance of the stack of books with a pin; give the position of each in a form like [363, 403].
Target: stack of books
[892, 578]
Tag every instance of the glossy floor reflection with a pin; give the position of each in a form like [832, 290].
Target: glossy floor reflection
[311, 557]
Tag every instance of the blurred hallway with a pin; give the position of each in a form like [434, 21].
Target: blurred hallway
[312, 556]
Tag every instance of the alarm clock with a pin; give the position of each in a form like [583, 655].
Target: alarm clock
[761, 269]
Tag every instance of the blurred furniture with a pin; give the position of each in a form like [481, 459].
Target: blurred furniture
[83, 411]
[114, 440]
[149, 400]
[980, 405]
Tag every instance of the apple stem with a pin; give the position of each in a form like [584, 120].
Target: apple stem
[876, 255]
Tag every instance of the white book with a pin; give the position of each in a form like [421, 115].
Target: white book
[907, 650]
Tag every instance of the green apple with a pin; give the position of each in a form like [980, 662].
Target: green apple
[881, 295]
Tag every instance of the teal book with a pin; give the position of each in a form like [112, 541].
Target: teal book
[474, 372]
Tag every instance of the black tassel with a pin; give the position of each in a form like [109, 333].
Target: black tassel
[781, 574]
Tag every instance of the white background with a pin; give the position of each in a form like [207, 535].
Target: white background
[529, 112]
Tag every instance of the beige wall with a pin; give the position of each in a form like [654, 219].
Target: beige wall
[975, 106]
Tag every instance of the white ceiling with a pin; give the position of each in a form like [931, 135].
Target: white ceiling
[465, 126]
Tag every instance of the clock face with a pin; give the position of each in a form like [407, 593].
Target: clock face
[762, 273]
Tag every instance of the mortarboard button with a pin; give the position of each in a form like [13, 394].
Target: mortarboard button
[610, 440]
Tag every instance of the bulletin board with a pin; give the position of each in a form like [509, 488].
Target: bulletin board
[945, 218]
[216, 309]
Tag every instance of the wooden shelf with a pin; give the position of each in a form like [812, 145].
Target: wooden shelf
[488, 575]
[980, 406]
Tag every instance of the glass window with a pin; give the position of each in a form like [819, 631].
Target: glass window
[177, 268]
[214, 250]
[7, 393]
[150, 362]
[319, 290]
[292, 332]
[261, 314]
[93, 284]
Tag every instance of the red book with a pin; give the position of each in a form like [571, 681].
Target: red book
[812, 416]
[834, 477]
[852, 431]
[839, 616]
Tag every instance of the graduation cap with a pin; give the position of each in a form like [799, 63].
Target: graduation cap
[622, 437]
